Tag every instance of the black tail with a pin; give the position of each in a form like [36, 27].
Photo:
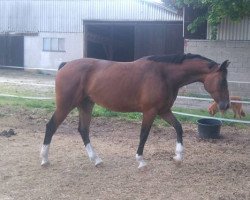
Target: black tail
[61, 65]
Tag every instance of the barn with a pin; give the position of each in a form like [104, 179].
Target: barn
[42, 34]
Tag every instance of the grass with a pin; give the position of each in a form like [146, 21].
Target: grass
[49, 106]
[28, 90]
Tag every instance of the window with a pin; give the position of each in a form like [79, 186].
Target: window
[53, 44]
[46, 44]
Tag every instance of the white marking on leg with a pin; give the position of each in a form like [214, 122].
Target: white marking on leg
[179, 152]
[45, 155]
[141, 161]
[92, 155]
[90, 151]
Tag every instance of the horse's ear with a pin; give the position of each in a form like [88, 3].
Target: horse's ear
[224, 65]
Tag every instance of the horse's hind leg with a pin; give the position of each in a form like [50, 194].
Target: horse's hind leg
[51, 127]
[85, 111]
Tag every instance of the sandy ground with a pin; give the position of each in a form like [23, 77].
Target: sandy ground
[212, 169]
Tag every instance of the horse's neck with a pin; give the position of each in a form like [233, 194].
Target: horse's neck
[185, 75]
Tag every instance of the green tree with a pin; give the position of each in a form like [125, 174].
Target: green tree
[217, 10]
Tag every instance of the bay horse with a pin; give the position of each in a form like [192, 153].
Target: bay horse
[148, 85]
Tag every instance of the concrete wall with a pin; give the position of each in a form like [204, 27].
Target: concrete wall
[35, 57]
[237, 52]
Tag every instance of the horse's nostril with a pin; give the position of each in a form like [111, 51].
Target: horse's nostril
[224, 105]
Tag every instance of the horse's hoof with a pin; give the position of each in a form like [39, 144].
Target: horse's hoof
[140, 160]
[177, 163]
[142, 165]
[178, 157]
[98, 162]
[45, 163]
[177, 160]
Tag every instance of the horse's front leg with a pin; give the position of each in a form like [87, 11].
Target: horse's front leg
[148, 118]
[171, 119]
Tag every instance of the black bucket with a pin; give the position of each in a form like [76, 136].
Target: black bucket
[209, 128]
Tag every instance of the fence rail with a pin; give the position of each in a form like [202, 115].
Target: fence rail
[26, 97]
[222, 119]
[209, 99]
[178, 113]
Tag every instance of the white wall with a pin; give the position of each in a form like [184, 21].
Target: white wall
[35, 57]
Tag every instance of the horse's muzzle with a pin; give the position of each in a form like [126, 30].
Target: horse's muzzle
[224, 105]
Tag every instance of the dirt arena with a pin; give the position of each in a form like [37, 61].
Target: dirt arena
[212, 169]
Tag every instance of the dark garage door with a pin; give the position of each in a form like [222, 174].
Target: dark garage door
[127, 41]
[12, 50]
[153, 39]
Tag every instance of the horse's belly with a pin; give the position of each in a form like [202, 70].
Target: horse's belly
[119, 103]
[125, 92]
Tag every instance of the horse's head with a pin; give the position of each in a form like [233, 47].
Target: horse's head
[216, 84]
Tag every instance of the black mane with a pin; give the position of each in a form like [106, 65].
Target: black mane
[177, 58]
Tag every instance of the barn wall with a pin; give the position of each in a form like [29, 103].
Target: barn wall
[67, 15]
[51, 17]
[36, 57]
[237, 52]
[229, 30]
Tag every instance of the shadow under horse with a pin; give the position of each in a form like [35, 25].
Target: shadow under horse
[148, 85]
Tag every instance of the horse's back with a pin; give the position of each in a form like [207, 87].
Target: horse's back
[80, 68]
